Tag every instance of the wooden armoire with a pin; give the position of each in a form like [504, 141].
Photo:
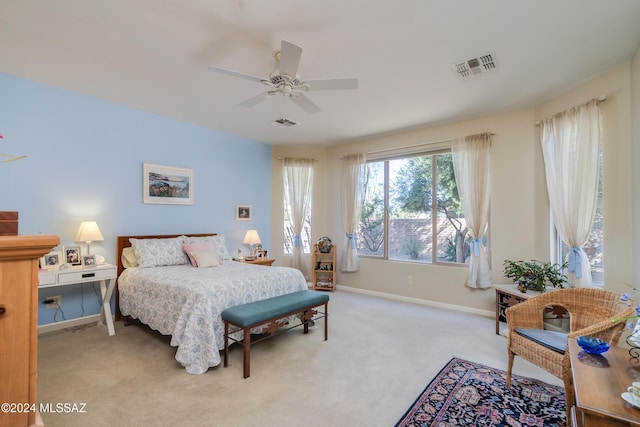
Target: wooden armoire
[19, 325]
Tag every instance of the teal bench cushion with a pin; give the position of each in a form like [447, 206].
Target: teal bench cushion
[556, 341]
[259, 311]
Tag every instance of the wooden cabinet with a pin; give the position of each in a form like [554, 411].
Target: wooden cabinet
[324, 269]
[19, 324]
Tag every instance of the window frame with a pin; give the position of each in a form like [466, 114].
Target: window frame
[434, 209]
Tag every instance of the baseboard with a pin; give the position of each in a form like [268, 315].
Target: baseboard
[476, 311]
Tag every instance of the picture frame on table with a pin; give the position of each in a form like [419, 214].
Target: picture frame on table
[243, 212]
[167, 185]
[89, 260]
[72, 255]
[51, 261]
[261, 253]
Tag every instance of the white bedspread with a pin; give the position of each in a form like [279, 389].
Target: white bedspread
[185, 302]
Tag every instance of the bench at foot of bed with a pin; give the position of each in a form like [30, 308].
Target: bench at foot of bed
[267, 312]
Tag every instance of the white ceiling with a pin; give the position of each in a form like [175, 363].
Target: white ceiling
[153, 55]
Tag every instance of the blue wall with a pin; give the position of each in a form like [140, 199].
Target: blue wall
[84, 162]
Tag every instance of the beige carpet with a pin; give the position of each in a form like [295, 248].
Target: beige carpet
[379, 357]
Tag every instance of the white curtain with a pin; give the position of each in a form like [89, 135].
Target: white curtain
[352, 195]
[472, 168]
[298, 180]
[571, 149]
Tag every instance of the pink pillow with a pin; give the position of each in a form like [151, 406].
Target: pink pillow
[198, 247]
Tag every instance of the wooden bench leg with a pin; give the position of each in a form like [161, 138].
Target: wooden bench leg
[306, 322]
[247, 352]
[326, 321]
[226, 343]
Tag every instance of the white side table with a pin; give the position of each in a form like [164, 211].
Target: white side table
[106, 274]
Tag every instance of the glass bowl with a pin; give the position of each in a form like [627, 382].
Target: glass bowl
[592, 345]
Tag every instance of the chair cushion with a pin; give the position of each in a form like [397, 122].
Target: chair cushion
[556, 341]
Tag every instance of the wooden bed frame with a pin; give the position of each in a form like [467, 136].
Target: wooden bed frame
[123, 242]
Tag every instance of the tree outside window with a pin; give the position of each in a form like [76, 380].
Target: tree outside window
[412, 210]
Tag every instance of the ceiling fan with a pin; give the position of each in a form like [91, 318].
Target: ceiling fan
[287, 82]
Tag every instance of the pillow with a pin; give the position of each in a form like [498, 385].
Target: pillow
[128, 258]
[157, 252]
[217, 241]
[199, 247]
[205, 259]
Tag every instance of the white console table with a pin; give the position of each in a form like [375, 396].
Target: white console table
[105, 274]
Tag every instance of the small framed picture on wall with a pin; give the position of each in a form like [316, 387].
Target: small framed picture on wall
[243, 212]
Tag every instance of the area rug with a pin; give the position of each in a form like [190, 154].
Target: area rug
[468, 394]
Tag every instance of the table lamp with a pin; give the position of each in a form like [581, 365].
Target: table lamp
[89, 232]
[252, 239]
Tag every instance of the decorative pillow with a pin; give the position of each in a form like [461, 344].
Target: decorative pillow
[217, 241]
[221, 246]
[157, 252]
[128, 258]
[205, 259]
[199, 247]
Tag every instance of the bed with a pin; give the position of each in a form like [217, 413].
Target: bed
[159, 284]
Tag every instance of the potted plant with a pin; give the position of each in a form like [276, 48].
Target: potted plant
[535, 275]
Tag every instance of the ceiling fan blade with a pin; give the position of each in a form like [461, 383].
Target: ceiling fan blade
[235, 74]
[332, 84]
[305, 103]
[255, 100]
[290, 55]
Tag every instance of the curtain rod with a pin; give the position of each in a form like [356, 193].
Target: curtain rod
[409, 146]
[282, 158]
[424, 144]
[601, 99]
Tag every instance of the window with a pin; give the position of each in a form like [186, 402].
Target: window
[289, 234]
[412, 211]
[594, 248]
[297, 180]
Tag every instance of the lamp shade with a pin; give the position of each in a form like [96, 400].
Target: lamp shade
[89, 232]
[251, 238]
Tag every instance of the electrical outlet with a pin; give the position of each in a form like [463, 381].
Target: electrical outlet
[53, 302]
[409, 280]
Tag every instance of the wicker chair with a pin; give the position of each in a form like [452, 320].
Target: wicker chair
[593, 312]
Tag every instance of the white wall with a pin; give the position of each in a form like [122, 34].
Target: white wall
[519, 207]
[635, 155]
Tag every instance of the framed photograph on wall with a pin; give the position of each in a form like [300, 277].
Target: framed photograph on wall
[167, 185]
[72, 255]
[52, 260]
[243, 212]
[89, 260]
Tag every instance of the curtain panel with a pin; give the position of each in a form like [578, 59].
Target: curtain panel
[571, 148]
[298, 181]
[472, 169]
[353, 167]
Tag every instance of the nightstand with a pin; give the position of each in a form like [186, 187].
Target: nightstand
[105, 274]
[262, 261]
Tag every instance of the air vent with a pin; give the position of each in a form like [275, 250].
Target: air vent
[284, 123]
[474, 66]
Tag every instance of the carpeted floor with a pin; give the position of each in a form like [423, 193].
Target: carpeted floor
[469, 394]
[379, 357]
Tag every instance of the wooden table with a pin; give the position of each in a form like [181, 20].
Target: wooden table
[506, 296]
[261, 261]
[599, 380]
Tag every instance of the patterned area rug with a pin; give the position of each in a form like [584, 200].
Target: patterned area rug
[468, 394]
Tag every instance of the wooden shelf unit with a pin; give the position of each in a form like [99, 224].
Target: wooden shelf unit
[324, 269]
